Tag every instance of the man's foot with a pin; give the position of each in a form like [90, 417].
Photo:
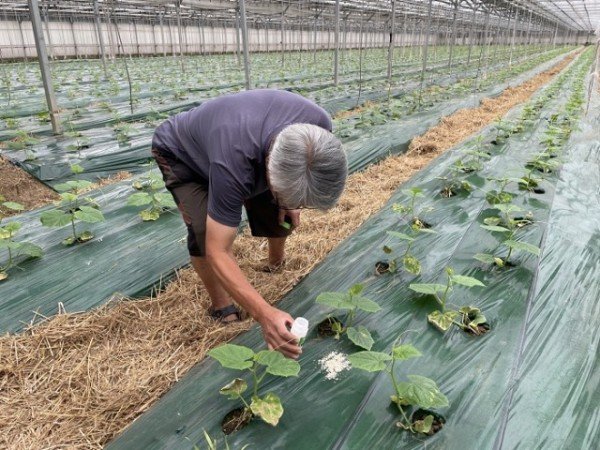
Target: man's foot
[227, 314]
[269, 267]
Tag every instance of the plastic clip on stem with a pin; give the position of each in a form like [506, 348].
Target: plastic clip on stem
[300, 329]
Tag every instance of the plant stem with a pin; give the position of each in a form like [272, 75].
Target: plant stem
[73, 226]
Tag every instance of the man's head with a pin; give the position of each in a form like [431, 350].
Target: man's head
[307, 167]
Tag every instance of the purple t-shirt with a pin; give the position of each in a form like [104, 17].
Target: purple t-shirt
[225, 141]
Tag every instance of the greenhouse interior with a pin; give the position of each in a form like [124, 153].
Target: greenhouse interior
[431, 163]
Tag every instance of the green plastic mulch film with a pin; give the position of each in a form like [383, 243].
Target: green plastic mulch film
[507, 389]
[103, 152]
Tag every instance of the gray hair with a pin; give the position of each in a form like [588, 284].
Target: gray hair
[307, 167]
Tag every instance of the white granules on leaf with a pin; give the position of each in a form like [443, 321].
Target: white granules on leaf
[333, 364]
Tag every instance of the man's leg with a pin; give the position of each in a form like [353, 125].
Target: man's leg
[218, 295]
[276, 251]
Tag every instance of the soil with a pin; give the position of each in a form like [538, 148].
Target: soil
[16, 185]
[481, 329]
[235, 420]
[539, 190]
[438, 420]
[325, 329]
[381, 267]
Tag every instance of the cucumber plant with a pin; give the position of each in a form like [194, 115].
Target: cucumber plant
[500, 195]
[408, 210]
[71, 208]
[351, 302]
[266, 362]
[14, 249]
[149, 194]
[417, 392]
[468, 318]
[410, 263]
[507, 225]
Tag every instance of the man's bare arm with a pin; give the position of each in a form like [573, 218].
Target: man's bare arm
[274, 322]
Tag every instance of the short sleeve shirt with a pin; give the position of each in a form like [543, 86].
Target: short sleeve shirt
[226, 141]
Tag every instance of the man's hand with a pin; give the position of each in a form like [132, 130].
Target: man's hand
[274, 325]
[293, 214]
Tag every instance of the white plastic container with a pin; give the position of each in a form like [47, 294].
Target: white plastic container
[300, 327]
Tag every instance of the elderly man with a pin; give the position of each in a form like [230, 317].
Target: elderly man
[268, 150]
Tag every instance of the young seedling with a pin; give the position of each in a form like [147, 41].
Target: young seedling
[499, 195]
[474, 157]
[417, 394]
[150, 195]
[454, 183]
[351, 302]
[503, 131]
[71, 207]
[507, 225]
[410, 262]
[529, 182]
[409, 209]
[268, 406]
[467, 318]
[213, 444]
[14, 249]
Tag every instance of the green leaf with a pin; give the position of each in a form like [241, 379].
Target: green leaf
[466, 281]
[411, 264]
[365, 304]
[77, 169]
[402, 236]
[55, 218]
[423, 426]
[139, 199]
[431, 289]
[472, 317]
[12, 227]
[29, 249]
[405, 351]
[234, 389]
[442, 321]
[360, 336]
[89, 214]
[149, 214]
[523, 246]
[166, 200]
[277, 364]
[336, 300]
[495, 228]
[268, 408]
[492, 220]
[422, 392]
[507, 208]
[369, 361]
[68, 197]
[485, 258]
[13, 206]
[356, 289]
[233, 356]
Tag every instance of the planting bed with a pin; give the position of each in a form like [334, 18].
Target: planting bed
[492, 403]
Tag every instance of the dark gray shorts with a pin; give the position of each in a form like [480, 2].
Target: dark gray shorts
[190, 192]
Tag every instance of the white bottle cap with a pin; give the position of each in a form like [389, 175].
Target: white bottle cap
[300, 327]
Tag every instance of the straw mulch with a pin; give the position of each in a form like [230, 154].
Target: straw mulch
[16, 185]
[77, 380]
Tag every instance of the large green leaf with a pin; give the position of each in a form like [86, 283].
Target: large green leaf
[495, 228]
[523, 246]
[149, 214]
[139, 199]
[356, 289]
[233, 356]
[369, 361]
[431, 289]
[360, 336]
[268, 408]
[13, 206]
[277, 364]
[337, 300]
[365, 304]
[234, 389]
[422, 392]
[89, 214]
[166, 200]
[29, 249]
[485, 258]
[466, 281]
[55, 218]
[442, 321]
[405, 351]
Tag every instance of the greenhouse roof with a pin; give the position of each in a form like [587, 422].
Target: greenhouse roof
[580, 15]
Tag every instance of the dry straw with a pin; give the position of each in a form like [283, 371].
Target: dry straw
[77, 380]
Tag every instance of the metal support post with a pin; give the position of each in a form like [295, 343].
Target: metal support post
[391, 43]
[242, 6]
[40, 46]
[100, 37]
[453, 37]
[337, 44]
[425, 49]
